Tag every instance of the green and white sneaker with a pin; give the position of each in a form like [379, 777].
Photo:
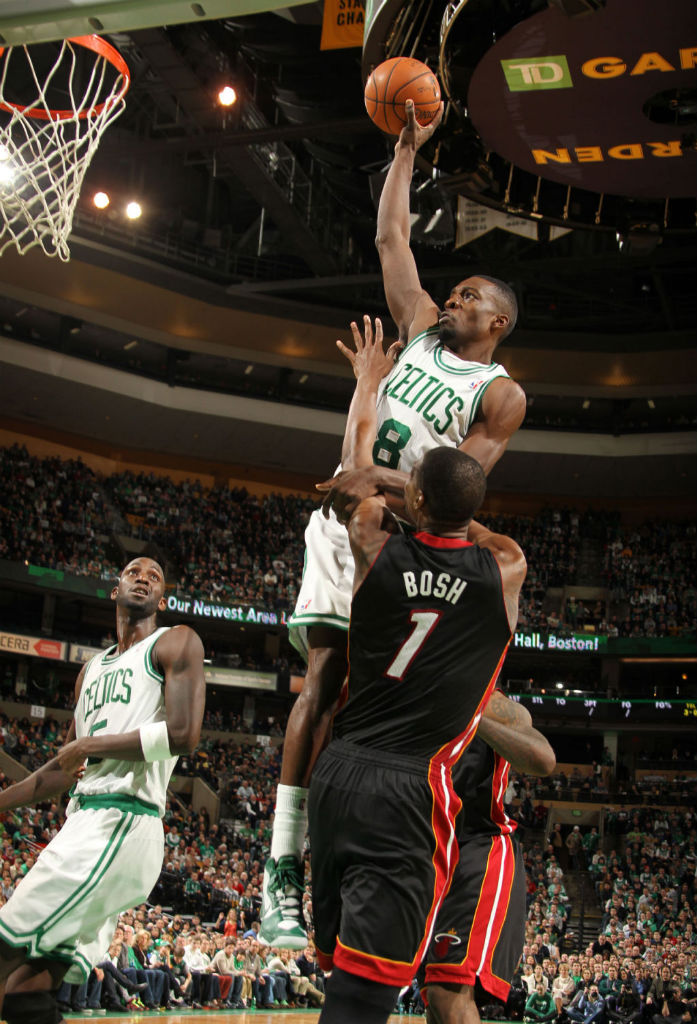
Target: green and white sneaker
[282, 922]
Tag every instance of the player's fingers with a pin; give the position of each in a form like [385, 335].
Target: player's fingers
[378, 331]
[368, 329]
[411, 115]
[394, 350]
[345, 350]
[357, 336]
[439, 117]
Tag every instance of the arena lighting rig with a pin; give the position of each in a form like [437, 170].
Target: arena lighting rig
[577, 113]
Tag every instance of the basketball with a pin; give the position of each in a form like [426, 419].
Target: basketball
[394, 82]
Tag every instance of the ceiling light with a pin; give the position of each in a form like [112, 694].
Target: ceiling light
[101, 200]
[586, 404]
[130, 344]
[7, 173]
[227, 96]
[248, 369]
[650, 402]
[303, 379]
[134, 210]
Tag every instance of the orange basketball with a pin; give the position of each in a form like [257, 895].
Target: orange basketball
[391, 84]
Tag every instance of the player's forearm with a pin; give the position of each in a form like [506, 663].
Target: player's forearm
[527, 750]
[361, 426]
[394, 225]
[45, 783]
[125, 746]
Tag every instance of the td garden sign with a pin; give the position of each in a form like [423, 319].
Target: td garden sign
[595, 102]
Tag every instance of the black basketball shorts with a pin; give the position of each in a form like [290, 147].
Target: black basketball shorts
[480, 927]
[383, 848]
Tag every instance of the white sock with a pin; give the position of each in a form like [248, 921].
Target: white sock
[290, 822]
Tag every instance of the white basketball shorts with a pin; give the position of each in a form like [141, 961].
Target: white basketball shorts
[325, 592]
[104, 860]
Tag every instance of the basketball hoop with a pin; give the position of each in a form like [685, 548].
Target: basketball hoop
[53, 112]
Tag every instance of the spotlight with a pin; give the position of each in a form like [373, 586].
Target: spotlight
[134, 210]
[7, 173]
[249, 369]
[586, 403]
[227, 96]
[650, 402]
[101, 200]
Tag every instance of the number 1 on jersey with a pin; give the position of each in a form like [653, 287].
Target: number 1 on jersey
[424, 623]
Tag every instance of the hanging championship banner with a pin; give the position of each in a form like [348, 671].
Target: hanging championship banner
[474, 220]
[342, 24]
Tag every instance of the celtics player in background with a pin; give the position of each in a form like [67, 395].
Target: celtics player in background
[445, 390]
[139, 705]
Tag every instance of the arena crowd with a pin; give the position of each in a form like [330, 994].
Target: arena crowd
[233, 547]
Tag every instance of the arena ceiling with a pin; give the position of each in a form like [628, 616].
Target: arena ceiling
[257, 246]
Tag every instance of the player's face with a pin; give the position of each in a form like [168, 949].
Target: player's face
[470, 311]
[141, 587]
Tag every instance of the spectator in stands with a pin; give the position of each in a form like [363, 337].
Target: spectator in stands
[540, 1005]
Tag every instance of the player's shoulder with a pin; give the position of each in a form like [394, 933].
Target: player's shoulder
[178, 638]
[504, 398]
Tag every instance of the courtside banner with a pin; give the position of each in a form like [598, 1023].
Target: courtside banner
[198, 608]
[245, 678]
[342, 24]
[33, 646]
[80, 653]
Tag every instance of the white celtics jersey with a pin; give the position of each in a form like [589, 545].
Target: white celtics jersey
[430, 399]
[121, 692]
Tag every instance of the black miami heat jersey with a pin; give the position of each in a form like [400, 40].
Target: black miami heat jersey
[428, 634]
[480, 779]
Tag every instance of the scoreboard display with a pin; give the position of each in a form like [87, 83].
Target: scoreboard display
[610, 711]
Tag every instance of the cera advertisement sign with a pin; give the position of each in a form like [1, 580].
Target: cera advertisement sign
[587, 101]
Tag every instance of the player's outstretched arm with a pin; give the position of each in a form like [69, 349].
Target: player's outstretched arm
[507, 727]
[370, 364]
[503, 411]
[411, 308]
[50, 780]
[179, 654]
[45, 783]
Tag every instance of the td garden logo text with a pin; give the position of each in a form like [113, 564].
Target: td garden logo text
[524, 74]
[537, 73]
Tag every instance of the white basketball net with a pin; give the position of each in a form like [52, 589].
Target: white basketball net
[44, 153]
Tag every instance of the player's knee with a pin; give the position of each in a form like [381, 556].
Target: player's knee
[10, 959]
[451, 1004]
[31, 1008]
[326, 670]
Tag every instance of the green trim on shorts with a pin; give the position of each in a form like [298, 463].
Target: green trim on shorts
[122, 801]
[33, 936]
[315, 618]
[64, 954]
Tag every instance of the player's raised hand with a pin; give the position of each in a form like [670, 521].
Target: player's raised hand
[413, 135]
[369, 362]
